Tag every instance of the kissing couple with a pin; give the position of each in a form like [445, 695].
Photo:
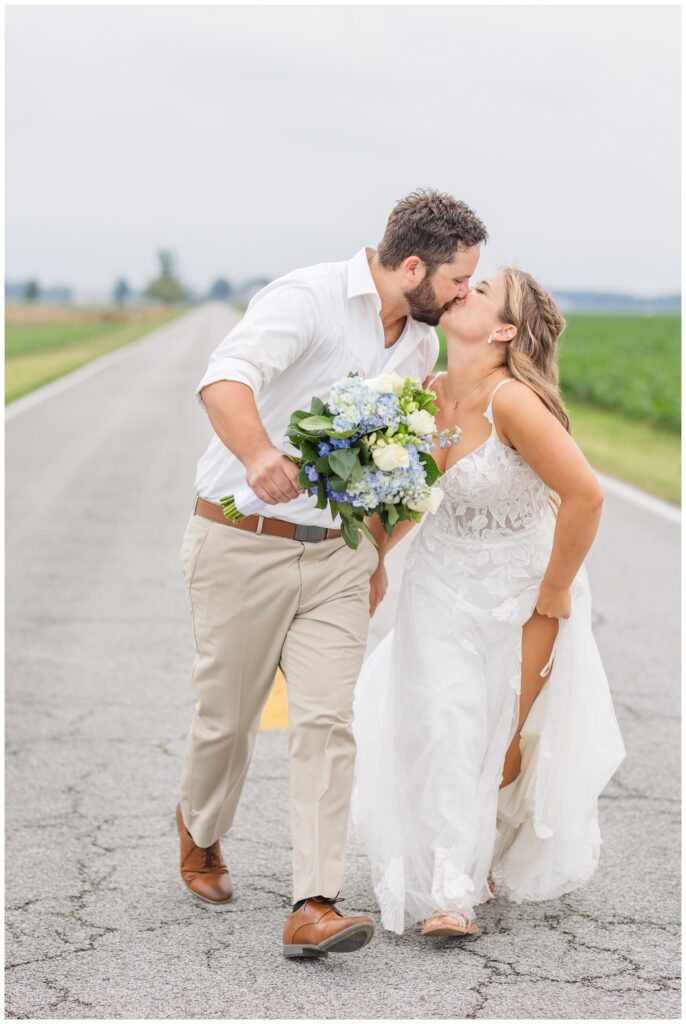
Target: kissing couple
[483, 722]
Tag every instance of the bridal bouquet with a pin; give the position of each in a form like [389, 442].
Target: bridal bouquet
[366, 450]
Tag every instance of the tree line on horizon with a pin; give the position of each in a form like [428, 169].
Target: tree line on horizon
[166, 288]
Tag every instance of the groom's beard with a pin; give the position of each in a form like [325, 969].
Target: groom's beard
[423, 304]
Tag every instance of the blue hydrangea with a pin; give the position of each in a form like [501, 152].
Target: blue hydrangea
[323, 448]
[448, 437]
[426, 446]
[388, 410]
[367, 426]
[351, 402]
[398, 486]
[341, 496]
[311, 474]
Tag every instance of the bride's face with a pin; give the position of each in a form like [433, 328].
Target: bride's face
[476, 316]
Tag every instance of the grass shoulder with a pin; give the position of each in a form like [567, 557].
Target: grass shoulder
[43, 344]
[630, 450]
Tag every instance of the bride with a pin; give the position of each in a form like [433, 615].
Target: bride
[484, 723]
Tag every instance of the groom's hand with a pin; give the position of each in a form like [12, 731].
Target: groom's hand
[378, 585]
[273, 477]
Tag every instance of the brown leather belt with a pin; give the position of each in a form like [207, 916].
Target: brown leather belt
[262, 524]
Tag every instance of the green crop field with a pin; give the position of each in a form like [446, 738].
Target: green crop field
[629, 364]
[621, 377]
[43, 343]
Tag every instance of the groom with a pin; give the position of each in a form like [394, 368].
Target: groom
[283, 589]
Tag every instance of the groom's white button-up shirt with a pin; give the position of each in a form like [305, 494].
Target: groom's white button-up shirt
[299, 335]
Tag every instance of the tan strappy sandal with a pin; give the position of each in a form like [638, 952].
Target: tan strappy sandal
[448, 924]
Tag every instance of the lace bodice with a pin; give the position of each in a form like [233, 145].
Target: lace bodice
[489, 493]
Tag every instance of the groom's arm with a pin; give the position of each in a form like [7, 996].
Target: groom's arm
[236, 422]
[281, 323]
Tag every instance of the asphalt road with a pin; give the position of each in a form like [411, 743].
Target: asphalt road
[99, 487]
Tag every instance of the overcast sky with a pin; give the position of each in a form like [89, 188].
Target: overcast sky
[251, 140]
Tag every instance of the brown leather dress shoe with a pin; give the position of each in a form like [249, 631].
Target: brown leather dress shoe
[203, 869]
[318, 928]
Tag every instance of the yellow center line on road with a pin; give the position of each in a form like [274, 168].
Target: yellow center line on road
[275, 712]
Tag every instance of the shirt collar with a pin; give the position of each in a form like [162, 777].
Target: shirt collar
[360, 280]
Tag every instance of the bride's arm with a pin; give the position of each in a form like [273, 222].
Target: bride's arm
[378, 583]
[523, 422]
[384, 542]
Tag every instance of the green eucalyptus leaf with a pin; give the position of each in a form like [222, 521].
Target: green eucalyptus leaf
[385, 523]
[368, 533]
[316, 424]
[342, 462]
[430, 468]
[343, 433]
[351, 533]
[309, 451]
[297, 438]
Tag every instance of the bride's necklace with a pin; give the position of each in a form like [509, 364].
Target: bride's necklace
[456, 401]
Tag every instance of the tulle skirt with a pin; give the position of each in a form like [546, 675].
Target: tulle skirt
[436, 708]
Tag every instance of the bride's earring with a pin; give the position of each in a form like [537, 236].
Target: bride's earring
[490, 339]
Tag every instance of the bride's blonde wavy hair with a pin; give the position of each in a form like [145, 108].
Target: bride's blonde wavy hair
[532, 354]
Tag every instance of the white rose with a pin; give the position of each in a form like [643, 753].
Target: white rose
[421, 422]
[398, 382]
[430, 501]
[391, 456]
[386, 384]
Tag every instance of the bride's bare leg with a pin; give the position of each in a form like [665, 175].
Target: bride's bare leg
[537, 642]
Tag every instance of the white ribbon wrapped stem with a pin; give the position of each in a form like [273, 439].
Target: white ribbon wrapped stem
[247, 502]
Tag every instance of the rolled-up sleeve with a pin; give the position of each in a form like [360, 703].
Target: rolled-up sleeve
[280, 324]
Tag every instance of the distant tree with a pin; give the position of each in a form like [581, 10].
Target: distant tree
[121, 292]
[250, 288]
[31, 291]
[166, 259]
[167, 287]
[221, 290]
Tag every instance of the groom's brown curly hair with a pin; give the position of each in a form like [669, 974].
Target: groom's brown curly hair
[432, 225]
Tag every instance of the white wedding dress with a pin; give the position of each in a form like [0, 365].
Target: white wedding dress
[437, 705]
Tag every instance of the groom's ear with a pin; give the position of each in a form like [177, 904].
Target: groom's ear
[412, 267]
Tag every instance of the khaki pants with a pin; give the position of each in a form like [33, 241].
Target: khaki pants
[260, 602]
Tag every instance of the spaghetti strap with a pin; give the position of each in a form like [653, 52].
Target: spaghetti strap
[489, 408]
[432, 380]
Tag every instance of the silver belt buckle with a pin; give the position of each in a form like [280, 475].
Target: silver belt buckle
[313, 534]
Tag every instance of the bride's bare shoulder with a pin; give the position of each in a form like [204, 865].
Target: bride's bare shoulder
[431, 380]
[515, 397]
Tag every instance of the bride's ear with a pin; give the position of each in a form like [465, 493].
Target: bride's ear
[506, 333]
